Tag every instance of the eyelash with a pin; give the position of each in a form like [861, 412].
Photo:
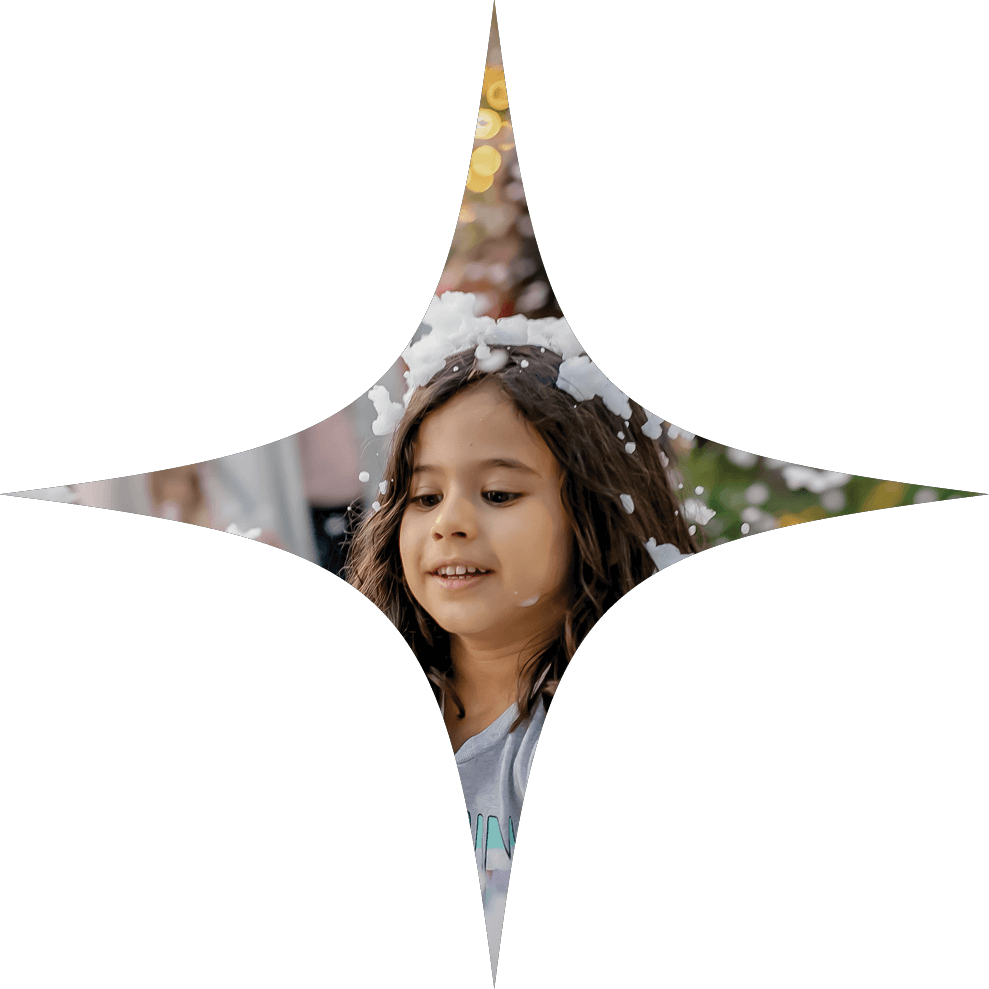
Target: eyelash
[512, 496]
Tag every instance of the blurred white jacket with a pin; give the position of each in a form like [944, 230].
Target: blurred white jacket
[259, 488]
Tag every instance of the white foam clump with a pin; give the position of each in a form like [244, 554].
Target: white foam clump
[383, 488]
[376, 505]
[663, 554]
[582, 379]
[653, 427]
[815, 481]
[696, 511]
[528, 602]
[454, 327]
[389, 413]
[236, 530]
[630, 448]
[363, 477]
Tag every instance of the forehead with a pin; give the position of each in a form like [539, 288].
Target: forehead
[478, 424]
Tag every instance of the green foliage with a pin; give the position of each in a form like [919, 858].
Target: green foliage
[751, 491]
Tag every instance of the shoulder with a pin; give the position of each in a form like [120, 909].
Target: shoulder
[531, 731]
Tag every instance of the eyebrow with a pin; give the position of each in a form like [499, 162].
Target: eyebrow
[506, 462]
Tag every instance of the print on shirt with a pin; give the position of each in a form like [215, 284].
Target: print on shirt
[495, 854]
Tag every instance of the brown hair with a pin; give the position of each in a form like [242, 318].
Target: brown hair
[609, 554]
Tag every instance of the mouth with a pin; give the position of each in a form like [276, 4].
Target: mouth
[459, 577]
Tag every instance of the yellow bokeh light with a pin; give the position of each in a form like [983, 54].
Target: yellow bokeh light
[492, 74]
[886, 494]
[478, 183]
[497, 95]
[810, 514]
[488, 124]
[485, 160]
[467, 212]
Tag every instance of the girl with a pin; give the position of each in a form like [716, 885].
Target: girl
[558, 540]
[516, 514]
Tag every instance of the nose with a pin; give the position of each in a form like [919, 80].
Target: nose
[456, 517]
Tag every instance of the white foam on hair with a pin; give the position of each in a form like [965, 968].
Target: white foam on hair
[453, 328]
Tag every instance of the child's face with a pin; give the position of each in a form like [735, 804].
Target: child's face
[486, 494]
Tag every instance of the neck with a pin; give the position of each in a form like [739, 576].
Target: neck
[486, 682]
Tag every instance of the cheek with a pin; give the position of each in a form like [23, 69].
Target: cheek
[547, 546]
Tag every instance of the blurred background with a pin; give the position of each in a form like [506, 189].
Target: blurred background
[305, 493]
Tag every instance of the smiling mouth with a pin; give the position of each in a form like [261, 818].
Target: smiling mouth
[464, 580]
[472, 572]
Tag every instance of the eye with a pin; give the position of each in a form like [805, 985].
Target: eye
[500, 497]
[426, 500]
[419, 501]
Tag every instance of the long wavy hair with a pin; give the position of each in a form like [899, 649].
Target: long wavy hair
[609, 555]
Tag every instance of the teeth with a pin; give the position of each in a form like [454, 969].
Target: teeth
[472, 570]
[461, 570]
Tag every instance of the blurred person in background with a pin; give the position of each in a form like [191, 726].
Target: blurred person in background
[331, 480]
[304, 493]
[178, 493]
[182, 494]
[342, 465]
[259, 493]
[256, 493]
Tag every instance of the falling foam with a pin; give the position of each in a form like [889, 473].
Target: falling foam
[383, 488]
[627, 503]
[697, 511]
[663, 555]
[489, 360]
[376, 505]
[454, 328]
[248, 534]
[528, 602]
[364, 477]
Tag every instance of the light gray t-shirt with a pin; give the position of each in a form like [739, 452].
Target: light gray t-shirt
[494, 770]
